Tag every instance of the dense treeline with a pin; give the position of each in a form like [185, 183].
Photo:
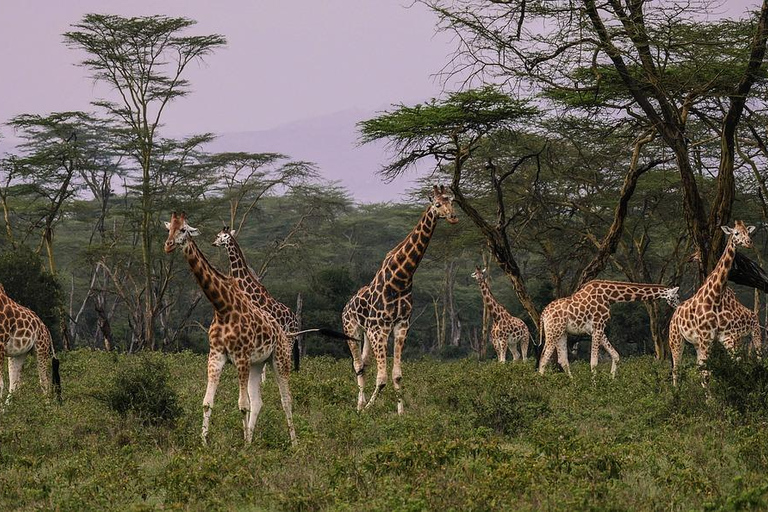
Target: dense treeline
[586, 167]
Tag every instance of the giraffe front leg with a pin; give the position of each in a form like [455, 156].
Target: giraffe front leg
[702, 352]
[254, 393]
[216, 362]
[243, 399]
[524, 341]
[282, 369]
[358, 364]
[378, 340]
[401, 331]
[612, 352]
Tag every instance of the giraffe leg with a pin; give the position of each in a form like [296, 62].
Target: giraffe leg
[756, 342]
[702, 352]
[524, 340]
[401, 331]
[15, 363]
[2, 369]
[282, 369]
[358, 364]
[216, 362]
[512, 344]
[378, 340]
[549, 348]
[562, 354]
[612, 352]
[254, 393]
[675, 348]
[243, 399]
[43, 353]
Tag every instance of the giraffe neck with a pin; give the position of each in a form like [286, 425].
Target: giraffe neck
[715, 283]
[212, 282]
[237, 264]
[401, 262]
[490, 301]
[617, 291]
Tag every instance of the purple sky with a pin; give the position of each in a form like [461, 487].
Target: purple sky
[284, 60]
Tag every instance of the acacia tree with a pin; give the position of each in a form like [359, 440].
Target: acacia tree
[143, 60]
[654, 62]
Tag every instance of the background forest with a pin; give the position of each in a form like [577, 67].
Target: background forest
[617, 155]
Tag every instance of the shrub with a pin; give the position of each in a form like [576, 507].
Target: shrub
[739, 380]
[27, 282]
[509, 411]
[140, 388]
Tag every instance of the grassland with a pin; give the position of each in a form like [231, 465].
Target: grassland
[475, 436]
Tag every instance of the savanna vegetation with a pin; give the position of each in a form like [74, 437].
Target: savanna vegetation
[587, 140]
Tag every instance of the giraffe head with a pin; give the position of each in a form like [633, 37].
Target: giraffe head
[224, 237]
[479, 274]
[740, 233]
[179, 232]
[672, 296]
[442, 204]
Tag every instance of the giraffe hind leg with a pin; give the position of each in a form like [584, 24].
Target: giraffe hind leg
[282, 371]
[379, 346]
[254, 393]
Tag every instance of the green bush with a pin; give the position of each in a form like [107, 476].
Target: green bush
[509, 411]
[739, 380]
[140, 388]
[26, 281]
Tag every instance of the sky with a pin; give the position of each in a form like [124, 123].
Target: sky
[284, 60]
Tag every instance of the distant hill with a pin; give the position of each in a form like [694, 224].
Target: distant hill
[329, 141]
[332, 143]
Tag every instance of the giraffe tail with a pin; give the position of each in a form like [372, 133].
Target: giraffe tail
[326, 332]
[56, 378]
[296, 355]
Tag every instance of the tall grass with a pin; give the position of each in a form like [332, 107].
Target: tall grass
[475, 436]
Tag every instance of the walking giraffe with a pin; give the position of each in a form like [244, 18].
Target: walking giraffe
[239, 331]
[249, 283]
[587, 312]
[21, 330]
[385, 304]
[711, 313]
[507, 330]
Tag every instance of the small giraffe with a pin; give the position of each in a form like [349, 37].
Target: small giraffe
[587, 312]
[239, 331]
[506, 329]
[710, 314]
[21, 330]
[248, 281]
[385, 304]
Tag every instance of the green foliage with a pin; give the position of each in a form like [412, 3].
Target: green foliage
[26, 281]
[739, 380]
[140, 389]
[587, 444]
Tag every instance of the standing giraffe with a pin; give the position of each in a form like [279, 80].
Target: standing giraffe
[385, 304]
[587, 312]
[21, 330]
[507, 329]
[248, 281]
[239, 331]
[711, 314]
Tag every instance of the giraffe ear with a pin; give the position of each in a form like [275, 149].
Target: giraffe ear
[750, 229]
[232, 232]
[674, 290]
[727, 230]
[193, 231]
[167, 225]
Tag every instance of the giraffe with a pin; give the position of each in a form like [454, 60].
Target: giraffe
[384, 305]
[506, 328]
[711, 313]
[21, 330]
[587, 312]
[248, 281]
[239, 332]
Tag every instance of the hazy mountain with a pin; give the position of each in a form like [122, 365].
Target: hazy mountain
[332, 143]
[329, 141]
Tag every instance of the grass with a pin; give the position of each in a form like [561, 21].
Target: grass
[475, 436]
